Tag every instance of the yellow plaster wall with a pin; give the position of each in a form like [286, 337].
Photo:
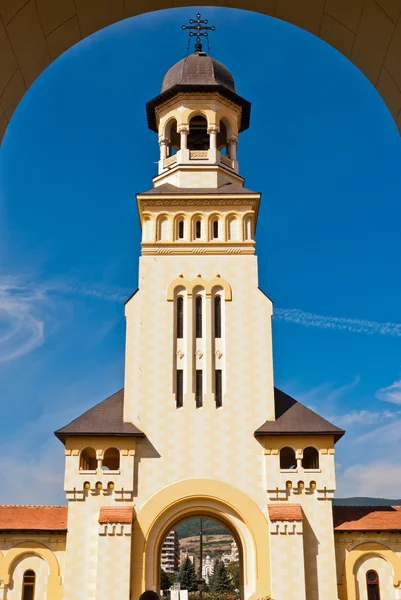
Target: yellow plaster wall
[216, 444]
[357, 552]
[42, 552]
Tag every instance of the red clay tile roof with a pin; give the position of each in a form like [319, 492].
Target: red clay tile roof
[113, 514]
[285, 512]
[37, 518]
[367, 518]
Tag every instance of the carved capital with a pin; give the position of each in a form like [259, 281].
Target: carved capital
[213, 129]
[164, 141]
[183, 129]
[233, 139]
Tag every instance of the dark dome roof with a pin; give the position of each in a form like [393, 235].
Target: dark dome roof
[198, 73]
[198, 69]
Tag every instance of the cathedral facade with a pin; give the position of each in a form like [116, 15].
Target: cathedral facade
[199, 384]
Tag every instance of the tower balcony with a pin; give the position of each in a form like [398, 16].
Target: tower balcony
[197, 157]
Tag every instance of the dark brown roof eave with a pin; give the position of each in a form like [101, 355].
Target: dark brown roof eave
[63, 436]
[336, 434]
[176, 89]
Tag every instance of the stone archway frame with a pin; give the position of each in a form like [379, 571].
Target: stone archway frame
[34, 33]
[7, 562]
[363, 550]
[215, 499]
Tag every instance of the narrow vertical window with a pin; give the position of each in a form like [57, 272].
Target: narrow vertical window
[198, 230]
[198, 316]
[180, 317]
[28, 585]
[198, 388]
[372, 582]
[180, 230]
[215, 229]
[218, 387]
[180, 388]
[217, 317]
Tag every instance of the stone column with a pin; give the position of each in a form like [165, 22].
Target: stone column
[233, 147]
[213, 131]
[163, 142]
[183, 153]
[183, 130]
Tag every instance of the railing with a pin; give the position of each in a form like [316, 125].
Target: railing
[171, 160]
[226, 161]
[198, 154]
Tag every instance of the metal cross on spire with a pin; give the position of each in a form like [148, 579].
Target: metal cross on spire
[199, 27]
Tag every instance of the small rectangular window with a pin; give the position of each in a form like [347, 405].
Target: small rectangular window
[198, 230]
[181, 230]
[217, 317]
[199, 388]
[180, 388]
[198, 316]
[180, 317]
[215, 229]
[218, 387]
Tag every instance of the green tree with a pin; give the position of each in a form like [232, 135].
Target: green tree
[220, 580]
[233, 571]
[187, 576]
[166, 580]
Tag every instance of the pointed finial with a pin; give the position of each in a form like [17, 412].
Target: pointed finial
[201, 28]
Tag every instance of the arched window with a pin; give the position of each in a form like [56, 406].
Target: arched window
[111, 460]
[198, 137]
[181, 229]
[88, 460]
[147, 230]
[287, 458]
[215, 229]
[248, 228]
[198, 229]
[198, 316]
[164, 229]
[180, 317]
[28, 585]
[233, 229]
[372, 583]
[310, 458]
[217, 317]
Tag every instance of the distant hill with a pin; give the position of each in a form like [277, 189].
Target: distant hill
[191, 528]
[362, 501]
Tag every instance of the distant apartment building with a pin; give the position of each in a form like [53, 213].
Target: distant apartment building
[170, 555]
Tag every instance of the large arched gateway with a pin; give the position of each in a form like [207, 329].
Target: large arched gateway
[34, 33]
[206, 498]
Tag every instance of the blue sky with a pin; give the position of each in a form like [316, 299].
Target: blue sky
[324, 151]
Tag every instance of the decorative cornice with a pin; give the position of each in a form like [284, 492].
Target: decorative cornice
[200, 97]
[153, 249]
[205, 200]
[120, 529]
[285, 527]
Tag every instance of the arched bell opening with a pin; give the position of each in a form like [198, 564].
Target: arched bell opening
[224, 134]
[198, 137]
[172, 137]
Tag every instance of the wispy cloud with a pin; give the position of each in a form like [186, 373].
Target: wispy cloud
[27, 310]
[391, 393]
[300, 317]
[365, 418]
[21, 326]
[380, 478]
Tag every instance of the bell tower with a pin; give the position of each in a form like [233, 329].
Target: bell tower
[198, 116]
